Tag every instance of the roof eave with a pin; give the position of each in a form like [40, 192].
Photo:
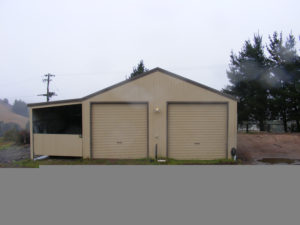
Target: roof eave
[75, 100]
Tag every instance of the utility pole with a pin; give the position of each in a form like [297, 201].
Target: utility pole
[49, 94]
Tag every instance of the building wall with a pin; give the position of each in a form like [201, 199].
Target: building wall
[158, 89]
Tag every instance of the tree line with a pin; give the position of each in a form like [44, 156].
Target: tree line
[266, 80]
[19, 107]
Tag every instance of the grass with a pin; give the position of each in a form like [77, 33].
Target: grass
[79, 161]
[202, 162]
[133, 162]
[27, 163]
[5, 144]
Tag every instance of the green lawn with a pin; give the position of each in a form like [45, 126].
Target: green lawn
[68, 161]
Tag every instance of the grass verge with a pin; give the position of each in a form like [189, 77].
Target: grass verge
[60, 161]
[77, 161]
[27, 163]
[202, 162]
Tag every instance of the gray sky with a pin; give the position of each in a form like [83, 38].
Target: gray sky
[90, 45]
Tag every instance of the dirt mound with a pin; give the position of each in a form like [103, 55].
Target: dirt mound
[252, 147]
[7, 116]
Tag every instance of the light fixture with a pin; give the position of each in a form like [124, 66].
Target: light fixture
[156, 109]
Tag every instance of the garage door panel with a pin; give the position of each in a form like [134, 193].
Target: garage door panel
[197, 131]
[119, 130]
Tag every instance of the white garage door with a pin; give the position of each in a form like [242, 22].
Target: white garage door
[197, 131]
[119, 131]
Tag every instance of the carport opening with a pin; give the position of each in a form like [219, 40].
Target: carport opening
[58, 120]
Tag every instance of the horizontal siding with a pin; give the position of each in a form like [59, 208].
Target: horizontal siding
[119, 130]
[197, 131]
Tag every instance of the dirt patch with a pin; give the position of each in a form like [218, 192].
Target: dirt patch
[253, 148]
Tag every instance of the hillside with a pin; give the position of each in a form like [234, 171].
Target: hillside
[6, 115]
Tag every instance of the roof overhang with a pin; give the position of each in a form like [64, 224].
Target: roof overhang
[75, 100]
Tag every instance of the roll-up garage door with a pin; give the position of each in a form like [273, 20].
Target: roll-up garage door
[197, 131]
[119, 131]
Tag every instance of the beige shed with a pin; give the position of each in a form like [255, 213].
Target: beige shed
[157, 112]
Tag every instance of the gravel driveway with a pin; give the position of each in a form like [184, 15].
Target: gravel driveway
[14, 153]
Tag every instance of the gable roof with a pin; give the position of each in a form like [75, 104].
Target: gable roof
[157, 69]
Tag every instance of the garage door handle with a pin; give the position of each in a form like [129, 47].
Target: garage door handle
[119, 142]
[197, 143]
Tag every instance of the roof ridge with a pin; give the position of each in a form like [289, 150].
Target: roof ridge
[137, 77]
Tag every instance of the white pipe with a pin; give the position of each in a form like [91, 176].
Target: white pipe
[41, 157]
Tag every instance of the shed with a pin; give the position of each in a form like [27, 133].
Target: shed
[157, 111]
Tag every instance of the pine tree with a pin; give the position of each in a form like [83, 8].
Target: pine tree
[138, 70]
[248, 75]
[284, 69]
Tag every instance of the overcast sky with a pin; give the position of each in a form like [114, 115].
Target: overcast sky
[90, 45]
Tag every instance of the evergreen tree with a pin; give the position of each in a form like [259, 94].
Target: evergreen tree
[138, 70]
[248, 75]
[284, 70]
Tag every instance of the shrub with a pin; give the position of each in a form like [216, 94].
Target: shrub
[10, 135]
[19, 137]
[8, 126]
[23, 137]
